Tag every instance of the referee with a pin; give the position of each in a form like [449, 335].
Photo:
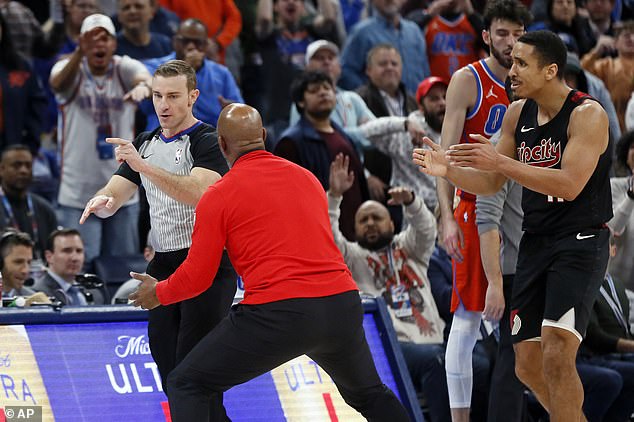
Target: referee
[175, 163]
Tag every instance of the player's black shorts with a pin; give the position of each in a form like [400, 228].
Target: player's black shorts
[557, 273]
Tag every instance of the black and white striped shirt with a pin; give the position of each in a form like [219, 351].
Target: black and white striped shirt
[172, 222]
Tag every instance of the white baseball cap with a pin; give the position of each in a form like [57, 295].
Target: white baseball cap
[315, 46]
[98, 21]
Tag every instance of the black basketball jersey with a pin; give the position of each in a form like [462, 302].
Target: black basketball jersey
[544, 146]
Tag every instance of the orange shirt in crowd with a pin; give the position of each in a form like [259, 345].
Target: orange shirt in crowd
[222, 17]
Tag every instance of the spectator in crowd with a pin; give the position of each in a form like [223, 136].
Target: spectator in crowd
[76, 12]
[453, 35]
[578, 78]
[164, 20]
[430, 98]
[283, 34]
[385, 95]
[621, 266]
[616, 72]
[28, 36]
[609, 342]
[386, 27]
[221, 17]
[314, 141]
[351, 112]
[574, 29]
[65, 259]
[22, 101]
[135, 39]
[16, 252]
[215, 82]
[601, 22]
[24, 211]
[395, 267]
[97, 92]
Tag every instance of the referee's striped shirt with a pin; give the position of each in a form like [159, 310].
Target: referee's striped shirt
[172, 222]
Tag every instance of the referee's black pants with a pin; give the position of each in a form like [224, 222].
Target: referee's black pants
[254, 339]
[174, 330]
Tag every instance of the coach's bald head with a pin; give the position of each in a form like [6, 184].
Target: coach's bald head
[239, 131]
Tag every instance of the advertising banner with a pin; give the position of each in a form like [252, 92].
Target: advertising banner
[104, 372]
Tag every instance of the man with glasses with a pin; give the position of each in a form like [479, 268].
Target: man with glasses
[215, 82]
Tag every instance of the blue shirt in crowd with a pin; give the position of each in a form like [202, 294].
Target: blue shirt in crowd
[408, 40]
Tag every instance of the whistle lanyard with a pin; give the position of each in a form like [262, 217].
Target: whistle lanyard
[613, 301]
[8, 209]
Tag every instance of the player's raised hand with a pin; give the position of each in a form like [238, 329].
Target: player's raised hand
[480, 154]
[431, 161]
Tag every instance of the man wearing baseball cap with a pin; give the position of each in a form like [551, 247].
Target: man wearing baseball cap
[97, 92]
[430, 97]
[351, 112]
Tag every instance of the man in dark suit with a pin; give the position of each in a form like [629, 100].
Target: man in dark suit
[65, 258]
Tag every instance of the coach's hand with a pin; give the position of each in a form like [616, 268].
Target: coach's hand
[145, 295]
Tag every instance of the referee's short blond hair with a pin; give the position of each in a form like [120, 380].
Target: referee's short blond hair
[175, 68]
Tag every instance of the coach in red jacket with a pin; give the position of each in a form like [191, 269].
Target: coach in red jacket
[272, 217]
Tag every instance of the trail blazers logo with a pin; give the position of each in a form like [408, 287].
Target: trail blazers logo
[546, 154]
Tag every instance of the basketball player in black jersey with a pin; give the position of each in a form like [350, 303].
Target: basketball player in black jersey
[555, 143]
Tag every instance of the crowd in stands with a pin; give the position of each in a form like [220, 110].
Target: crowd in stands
[346, 89]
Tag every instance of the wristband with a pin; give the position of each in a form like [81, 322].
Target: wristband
[406, 125]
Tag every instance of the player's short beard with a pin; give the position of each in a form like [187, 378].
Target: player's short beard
[501, 58]
[383, 240]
